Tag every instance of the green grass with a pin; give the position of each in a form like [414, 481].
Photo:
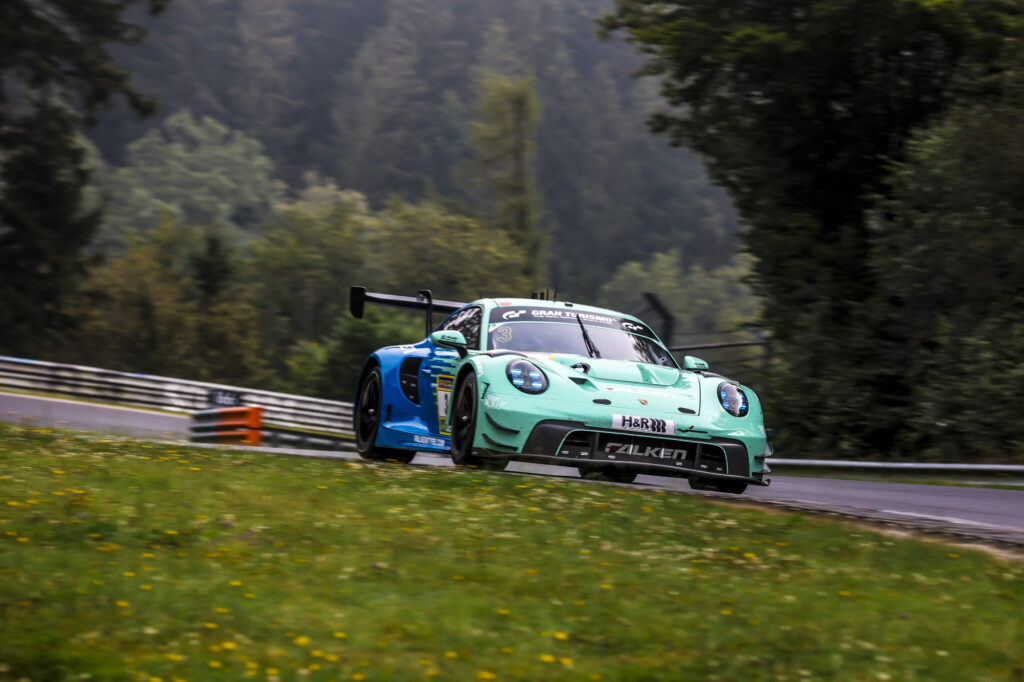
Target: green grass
[132, 560]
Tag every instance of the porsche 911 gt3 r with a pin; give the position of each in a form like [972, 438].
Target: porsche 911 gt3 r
[559, 383]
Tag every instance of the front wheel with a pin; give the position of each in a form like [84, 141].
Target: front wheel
[367, 422]
[733, 487]
[607, 473]
[463, 426]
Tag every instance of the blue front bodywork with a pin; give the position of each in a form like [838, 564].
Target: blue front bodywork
[419, 424]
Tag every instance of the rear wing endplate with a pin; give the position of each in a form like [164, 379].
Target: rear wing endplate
[358, 297]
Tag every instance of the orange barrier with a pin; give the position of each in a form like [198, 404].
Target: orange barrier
[229, 425]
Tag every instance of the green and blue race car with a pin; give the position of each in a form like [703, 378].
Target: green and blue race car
[559, 383]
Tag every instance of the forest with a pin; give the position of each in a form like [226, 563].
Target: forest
[190, 188]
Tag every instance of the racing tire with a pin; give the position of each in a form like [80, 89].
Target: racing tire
[367, 420]
[610, 474]
[732, 487]
[463, 427]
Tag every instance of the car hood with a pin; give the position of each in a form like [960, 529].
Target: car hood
[628, 383]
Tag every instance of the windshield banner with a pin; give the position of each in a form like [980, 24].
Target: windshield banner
[536, 314]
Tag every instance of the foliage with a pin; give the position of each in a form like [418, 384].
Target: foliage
[699, 300]
[949, 247]
[58, 48]
[303, 265]
[429, 246]
[45, 222]
[55, 71]
[378, 95]
[130, 560]
[194, 171]
[503, 139]
[171, 305]
[351, 341]
[707, 306]
[797, 108]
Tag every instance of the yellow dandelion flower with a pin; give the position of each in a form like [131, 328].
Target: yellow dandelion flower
[221, 609]
[566, 661]
[210, 626]
[302, 641]
[340, 635]
[145, 587]
[749, 555]
[547, 658]
[272, 671]
[507, 650]
[235, 583]
[123, 604]
[486, 675]
[726, 612]
[316, 653]
[451, 654]
[333, 658]
[215, 664]
[504, 612]
[358, 676]
[605, 586]
[561, 635]
[252, 665]
[230, 646]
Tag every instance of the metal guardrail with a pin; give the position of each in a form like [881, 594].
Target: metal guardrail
[164, 393]
[298, 418]
[919, 467]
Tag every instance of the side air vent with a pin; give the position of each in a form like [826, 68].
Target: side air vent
[687, 410]
[409, 378]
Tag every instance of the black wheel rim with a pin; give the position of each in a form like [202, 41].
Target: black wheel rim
[462, 419]
[369, 409]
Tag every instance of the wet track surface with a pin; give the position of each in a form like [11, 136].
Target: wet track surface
[992, 516]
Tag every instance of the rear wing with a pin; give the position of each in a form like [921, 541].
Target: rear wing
[358, 297]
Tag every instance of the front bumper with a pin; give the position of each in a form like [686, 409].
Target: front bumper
[573, 443]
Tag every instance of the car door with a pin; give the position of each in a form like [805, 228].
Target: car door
[437, 373]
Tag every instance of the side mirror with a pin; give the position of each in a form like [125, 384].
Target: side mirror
[690, 362]
[449, 338]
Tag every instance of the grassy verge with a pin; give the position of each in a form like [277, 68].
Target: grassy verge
[132, 560]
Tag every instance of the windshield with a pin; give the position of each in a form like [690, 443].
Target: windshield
[561, 337]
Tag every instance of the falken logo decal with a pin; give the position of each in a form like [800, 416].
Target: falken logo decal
[643, 424]
[645, 451]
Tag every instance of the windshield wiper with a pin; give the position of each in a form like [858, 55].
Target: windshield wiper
[591, 348]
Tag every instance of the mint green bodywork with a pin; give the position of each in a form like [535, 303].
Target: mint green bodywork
[507, 415]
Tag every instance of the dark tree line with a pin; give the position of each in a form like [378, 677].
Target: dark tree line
[823, 119]
[872, 149]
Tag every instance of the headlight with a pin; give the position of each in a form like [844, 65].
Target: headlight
[733, 399]
[526, 376]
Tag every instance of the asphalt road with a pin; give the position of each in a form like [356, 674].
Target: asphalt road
[979, 512]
